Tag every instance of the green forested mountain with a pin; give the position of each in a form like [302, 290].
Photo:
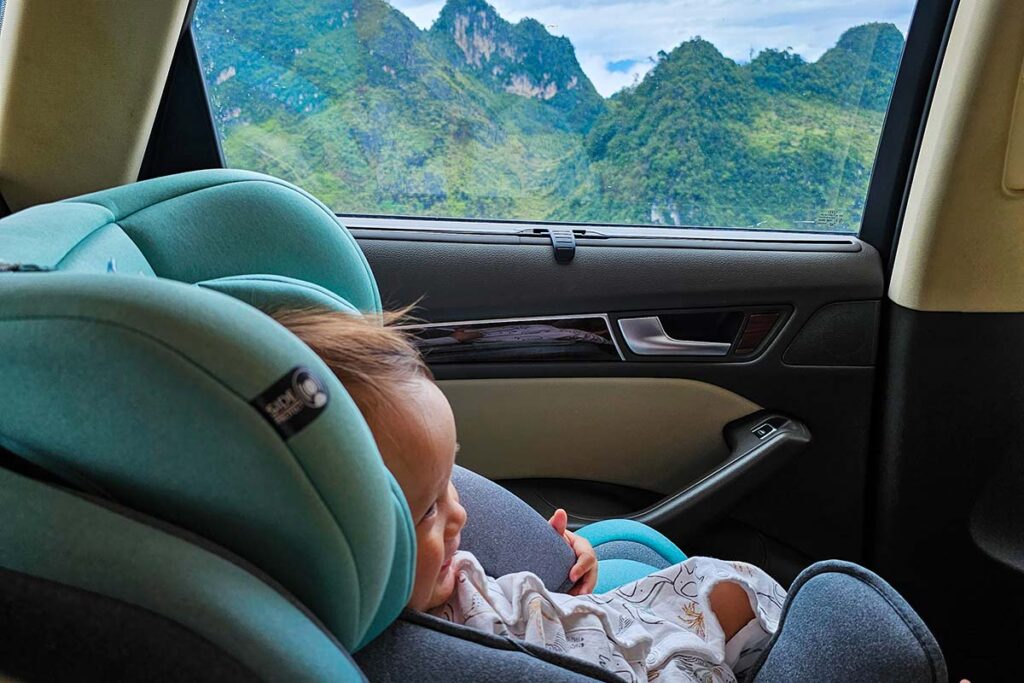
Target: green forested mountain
[775, 143]
[522, 59]
[477, 117]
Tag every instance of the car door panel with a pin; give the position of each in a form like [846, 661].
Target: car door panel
[656, 434]
[814, 503]
[460, 280]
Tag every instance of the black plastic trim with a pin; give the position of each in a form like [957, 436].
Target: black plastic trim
[469, 281]
[184, 136]
[948, 479]
[507, 226]
[190, 12]
[709, 239]
[750, 462]
[848, 339]
[563, 243]
[904, 125]
[581, 498]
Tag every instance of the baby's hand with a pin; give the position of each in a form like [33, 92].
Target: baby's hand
[584, 573]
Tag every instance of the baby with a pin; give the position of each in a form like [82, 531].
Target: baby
[701, 620]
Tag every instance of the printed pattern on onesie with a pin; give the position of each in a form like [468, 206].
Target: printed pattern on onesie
[659, 628]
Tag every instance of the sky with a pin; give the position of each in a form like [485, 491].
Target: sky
[616, 39]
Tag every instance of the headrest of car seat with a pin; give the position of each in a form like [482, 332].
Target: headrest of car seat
[271, 292]
[197, 227]
[195, 408]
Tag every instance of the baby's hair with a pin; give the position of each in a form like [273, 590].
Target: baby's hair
[369, 354]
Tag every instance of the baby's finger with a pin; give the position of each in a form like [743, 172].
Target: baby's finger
[558, 522]
[586, 584]
[584, 565]
[580, 544]
[589, 582]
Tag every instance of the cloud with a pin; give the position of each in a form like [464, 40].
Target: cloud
[610, 77]
[422, 14]
[608, 32]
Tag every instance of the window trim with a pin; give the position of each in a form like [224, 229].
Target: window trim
[883, 206]
[184, 136]
[594, 235]
[905, 119]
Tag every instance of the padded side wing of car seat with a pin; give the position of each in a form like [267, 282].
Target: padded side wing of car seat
[67, 541]
[146, 388]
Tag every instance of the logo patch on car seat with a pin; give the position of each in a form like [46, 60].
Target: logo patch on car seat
[293, 401]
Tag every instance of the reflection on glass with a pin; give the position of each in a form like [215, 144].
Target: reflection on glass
[577, 339]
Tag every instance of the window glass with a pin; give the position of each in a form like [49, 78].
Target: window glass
[667, 112]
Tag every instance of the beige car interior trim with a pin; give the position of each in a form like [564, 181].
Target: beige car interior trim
[962, 242]
[655, 434]
[1013, 173]
[80, 84]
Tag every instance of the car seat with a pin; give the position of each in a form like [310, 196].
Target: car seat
[142, 398]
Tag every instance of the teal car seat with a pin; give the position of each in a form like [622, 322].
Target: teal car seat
[176, 454]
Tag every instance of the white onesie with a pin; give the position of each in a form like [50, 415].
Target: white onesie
[659, 627]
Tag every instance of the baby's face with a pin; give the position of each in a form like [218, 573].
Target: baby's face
[417, 441]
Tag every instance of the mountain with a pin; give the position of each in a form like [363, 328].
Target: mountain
[778, 142]
[523, 59]
[364, 109]
[676, 142]
[860, 69]
[858, 72]
[479, 117]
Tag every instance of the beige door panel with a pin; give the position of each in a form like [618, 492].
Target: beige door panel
[655, 434]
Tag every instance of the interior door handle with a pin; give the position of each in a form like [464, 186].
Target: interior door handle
[647, 337]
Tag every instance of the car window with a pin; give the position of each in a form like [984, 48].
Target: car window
[730, 114]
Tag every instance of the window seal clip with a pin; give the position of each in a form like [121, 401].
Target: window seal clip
[563, 242]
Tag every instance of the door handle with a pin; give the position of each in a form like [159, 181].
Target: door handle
[647, 337]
